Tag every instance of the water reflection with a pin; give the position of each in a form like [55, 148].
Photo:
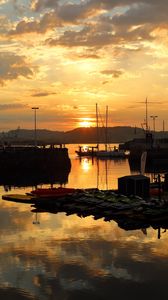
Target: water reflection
[103, 174]
[72, 257]
[86, 164]
[55, 256]
[33, 177]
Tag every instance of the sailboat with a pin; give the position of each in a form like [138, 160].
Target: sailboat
[94, 151]
[90, 151]
[109, 152]
[86, 150]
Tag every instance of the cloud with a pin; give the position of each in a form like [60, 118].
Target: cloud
[89, 36]
[11, 106]
[14, 66]
[49, 21]
[149, 13]
[102, 33]
[133, 20]
[89, 56]
[105, 82]
[113, 73]
[38, 5]
[43, 94]
[4, 24]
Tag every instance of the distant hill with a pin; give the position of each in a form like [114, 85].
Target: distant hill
[117, 134]
[114, 134]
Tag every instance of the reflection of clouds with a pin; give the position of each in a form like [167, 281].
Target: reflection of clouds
[75, 256]
[17, 270]
[74, 277]
[15, 294]
[76, 284]
[117, 272]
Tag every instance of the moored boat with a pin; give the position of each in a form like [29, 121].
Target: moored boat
[90, 151]
[111, 153]
[52, 192]
[108, 152]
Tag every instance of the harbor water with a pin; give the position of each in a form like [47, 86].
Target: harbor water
[49, 256]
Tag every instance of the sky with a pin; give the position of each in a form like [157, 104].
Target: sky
[65, 56]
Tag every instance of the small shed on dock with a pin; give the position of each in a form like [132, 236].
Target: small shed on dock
[137, 185]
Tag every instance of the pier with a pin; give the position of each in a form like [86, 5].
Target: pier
[33, 165]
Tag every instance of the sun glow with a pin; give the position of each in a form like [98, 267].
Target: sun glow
[85, 122]
[85, 165]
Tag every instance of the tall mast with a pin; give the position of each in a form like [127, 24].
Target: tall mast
[106, 127]
[146, 102]
[97, 125]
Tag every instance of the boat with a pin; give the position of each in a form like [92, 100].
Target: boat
[154, 143]
[39, 194]
[92, 151]
[130, 212]
[111, 153]
[95, 151]
[52, 192]
[87, 151]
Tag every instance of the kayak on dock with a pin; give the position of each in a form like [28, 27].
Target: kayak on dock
[52, 192]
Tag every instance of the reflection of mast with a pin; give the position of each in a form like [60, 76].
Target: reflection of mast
[106, 164]
[36, 222]
[159, 233]
[97, 160]
[102, 174]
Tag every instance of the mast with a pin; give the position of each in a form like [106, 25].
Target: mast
[97, 126]
[146, 102]
[106, 135]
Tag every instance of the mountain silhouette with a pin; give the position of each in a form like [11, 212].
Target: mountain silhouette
[118, 134]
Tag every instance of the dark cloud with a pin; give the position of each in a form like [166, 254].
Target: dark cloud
[38, 5]
[105, 82]
[42, 94]
[102, 33]
[46, 23]
[89, 56]
[146, 13]
[134, 21]
[14, 66]
[72, 12]
[113, 73]
[89, 36]
[26, 27]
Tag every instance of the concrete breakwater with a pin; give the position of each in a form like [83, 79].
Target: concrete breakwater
[33, 165]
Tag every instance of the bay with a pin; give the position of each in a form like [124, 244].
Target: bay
[55, 256]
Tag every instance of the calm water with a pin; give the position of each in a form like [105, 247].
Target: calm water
[54, 256]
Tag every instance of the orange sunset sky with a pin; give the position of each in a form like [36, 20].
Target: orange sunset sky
[66, 56]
